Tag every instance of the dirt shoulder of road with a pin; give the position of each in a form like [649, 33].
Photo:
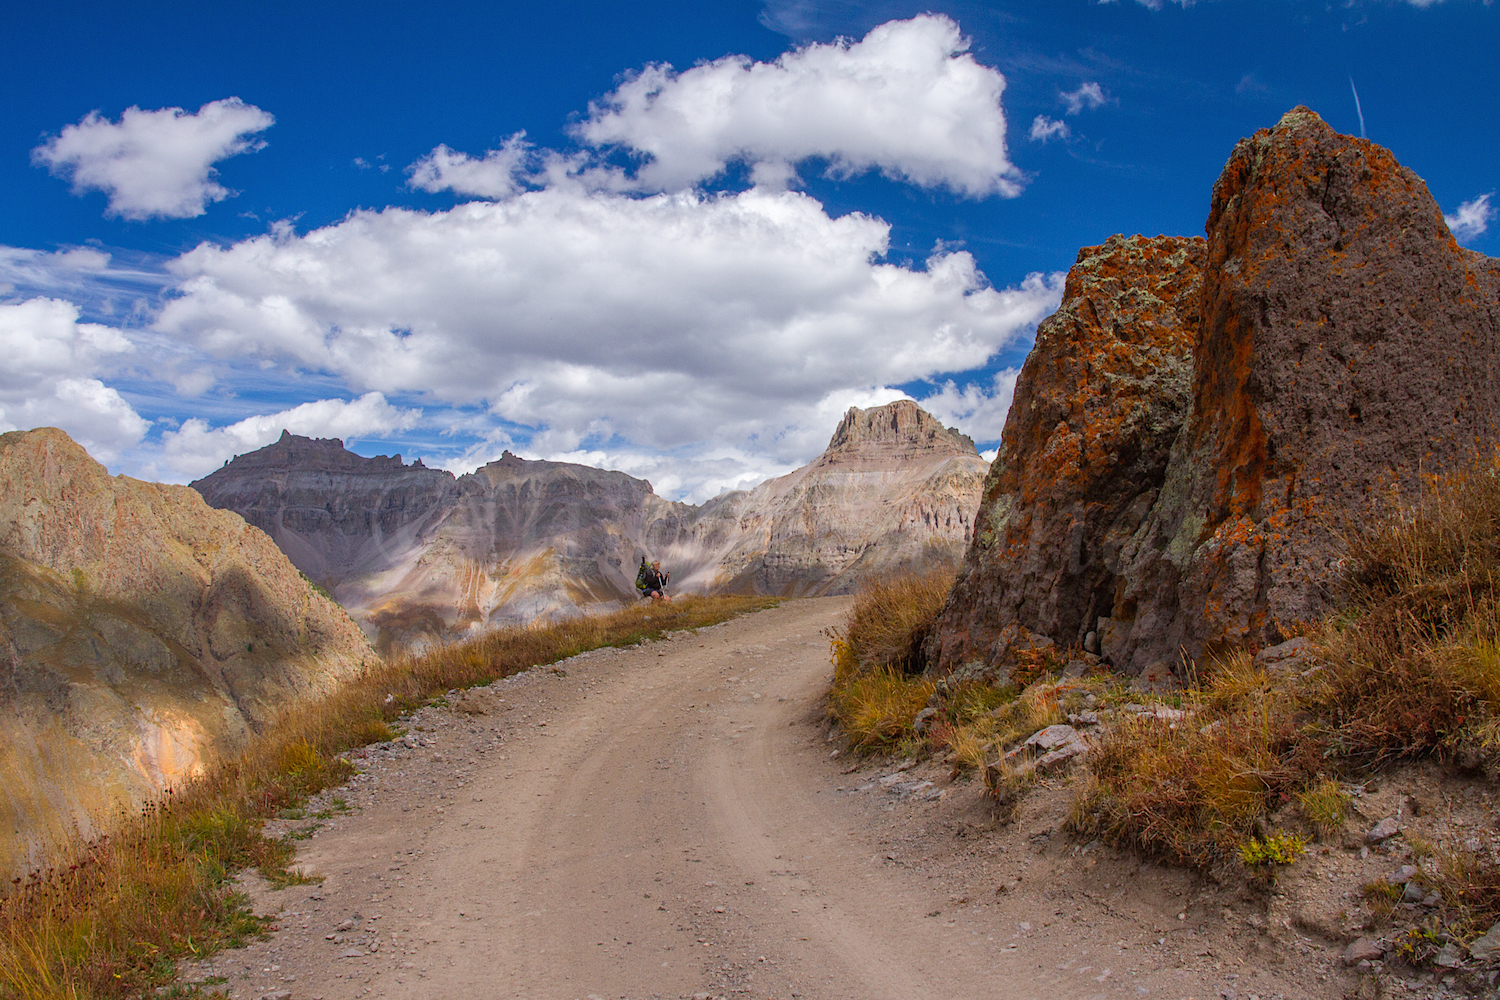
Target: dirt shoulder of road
[673, 820]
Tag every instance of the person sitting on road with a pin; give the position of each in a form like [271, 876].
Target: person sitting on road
[654, 582]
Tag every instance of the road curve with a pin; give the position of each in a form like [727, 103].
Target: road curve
[660, 821]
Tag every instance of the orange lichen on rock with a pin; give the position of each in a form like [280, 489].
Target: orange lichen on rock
[1327, 341]
[1096, 409]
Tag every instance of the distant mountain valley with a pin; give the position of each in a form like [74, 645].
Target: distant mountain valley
[418, 555]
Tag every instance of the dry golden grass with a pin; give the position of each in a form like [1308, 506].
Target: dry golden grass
[1469, 883]
[1410, 668]
[874, 695]
[1038, 707]
[1189, 791]
[1414, 666]
[1325, 807]
[877, 707]
[891, 618]
[113, 918]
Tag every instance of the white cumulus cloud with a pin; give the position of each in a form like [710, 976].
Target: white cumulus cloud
[907, 100]
[668, 322]
[500, 173]
[48, 379]
[1472, 218]
[1088, 96]
[977, 409]
[196, 449]
[155, 164]
[1044, 129]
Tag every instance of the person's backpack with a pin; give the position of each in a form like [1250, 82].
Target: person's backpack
[640, 577]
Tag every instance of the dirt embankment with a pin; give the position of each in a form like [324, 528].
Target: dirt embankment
[670, 821]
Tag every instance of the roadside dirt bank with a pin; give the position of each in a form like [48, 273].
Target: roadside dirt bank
[667, 821]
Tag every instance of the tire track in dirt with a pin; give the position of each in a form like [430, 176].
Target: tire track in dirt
[665, 821]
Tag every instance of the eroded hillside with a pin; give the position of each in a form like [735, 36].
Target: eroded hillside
[142, 635]
[416, 554]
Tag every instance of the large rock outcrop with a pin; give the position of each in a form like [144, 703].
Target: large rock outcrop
[417, 555]
[1342, 345]
[142, 635]
[1097, 406]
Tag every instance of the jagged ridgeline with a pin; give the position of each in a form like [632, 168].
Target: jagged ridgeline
[416, 554]
[1202, 418]
[143, 635]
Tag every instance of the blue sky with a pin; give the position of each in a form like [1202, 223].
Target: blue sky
[449, 230]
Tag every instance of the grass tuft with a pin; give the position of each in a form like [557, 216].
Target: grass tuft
[891, 618]
[1410, 668]
[875, 695]
[877, 707]
[1325, 807]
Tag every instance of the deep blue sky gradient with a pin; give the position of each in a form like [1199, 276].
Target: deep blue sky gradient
[387, 82]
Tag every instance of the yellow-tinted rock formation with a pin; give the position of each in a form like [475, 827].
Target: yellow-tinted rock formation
[142, 635]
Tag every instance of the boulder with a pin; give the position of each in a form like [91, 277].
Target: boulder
[1487, 947]
[1049, 749]
[1363, 950]
[1382, 831]
[1201, 419]
[1096, 409]
[1294, 655]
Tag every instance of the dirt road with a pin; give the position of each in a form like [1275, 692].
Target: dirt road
[666, 821]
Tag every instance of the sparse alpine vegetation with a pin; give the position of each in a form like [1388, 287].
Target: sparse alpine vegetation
[114, 917]
[1250, 764]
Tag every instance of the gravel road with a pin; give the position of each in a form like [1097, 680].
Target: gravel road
[668, 821]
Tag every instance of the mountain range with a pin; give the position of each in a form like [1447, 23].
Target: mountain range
[419, 555]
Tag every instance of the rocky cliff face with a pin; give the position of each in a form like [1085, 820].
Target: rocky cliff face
[362, 510]
[414, 552]
[895, 491]
[417, 555]
[142, 634]
[1096, 409]
[1341, 344]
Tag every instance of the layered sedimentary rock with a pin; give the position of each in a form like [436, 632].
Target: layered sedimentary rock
[895, 491]
[358, 508]
[1342, 345]
[416, 554]
[142, 635]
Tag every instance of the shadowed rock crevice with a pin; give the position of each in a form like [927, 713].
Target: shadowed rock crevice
[1333, 345]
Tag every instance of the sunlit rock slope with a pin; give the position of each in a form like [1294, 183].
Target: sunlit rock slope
[142, 634]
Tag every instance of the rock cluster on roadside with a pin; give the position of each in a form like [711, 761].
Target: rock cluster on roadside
[418, 555]
[143, 634]
[1201, 419]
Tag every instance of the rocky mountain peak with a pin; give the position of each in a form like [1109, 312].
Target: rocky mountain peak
[294, 452]
[897, 431]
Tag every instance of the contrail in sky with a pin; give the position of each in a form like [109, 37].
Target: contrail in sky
[1358, 110]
